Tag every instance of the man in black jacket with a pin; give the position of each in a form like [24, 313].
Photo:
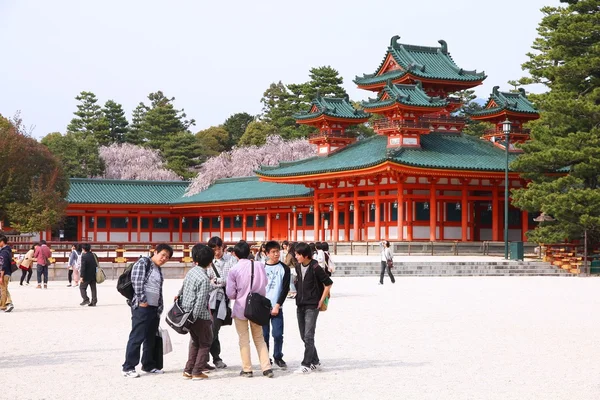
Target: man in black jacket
[6, 257]
[313, 286]
[88, 275]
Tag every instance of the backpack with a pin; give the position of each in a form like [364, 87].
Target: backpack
[13, 266]
[124, 285]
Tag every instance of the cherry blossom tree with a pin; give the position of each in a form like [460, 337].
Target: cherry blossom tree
[243, 161]
[130, 162]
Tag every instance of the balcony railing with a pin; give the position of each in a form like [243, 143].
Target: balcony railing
[499, 132]
[443, 120]
[382, 125]
[332, 134]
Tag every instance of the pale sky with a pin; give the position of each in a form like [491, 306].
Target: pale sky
[218, 57]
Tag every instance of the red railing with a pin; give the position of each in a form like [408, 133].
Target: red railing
[443, 120]
[332, 134]
[392, 124]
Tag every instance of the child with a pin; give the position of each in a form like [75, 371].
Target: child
[278, 286]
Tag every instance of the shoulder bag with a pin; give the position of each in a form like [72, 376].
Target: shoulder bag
[228, 320]
[178, 319]
[258, 307]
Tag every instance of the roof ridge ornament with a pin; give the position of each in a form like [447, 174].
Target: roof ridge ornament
[444, 46]
[495, 91]
[522, 91]
[394, 41]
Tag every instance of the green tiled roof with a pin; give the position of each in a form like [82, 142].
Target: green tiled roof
[438, 150]
[423, 62]
[410, 95]
[515, 102]
[249, 188]
[107, 191]
[333, 107]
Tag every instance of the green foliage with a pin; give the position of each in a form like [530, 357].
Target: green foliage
[135, 135]
[32, 183]
[256, 134]
[89, 120]
[567, 136]
[213, 140]
[235, 126]
[162, 119]
[116, 120]
[182, 153]
[78, 154]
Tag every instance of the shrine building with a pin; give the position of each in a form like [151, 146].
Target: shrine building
[418, 179]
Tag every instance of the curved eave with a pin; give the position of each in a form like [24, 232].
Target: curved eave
[323, 117]
[88, 205]
[256, 200]
[503, 112]
[388, 107]
[386, 165]
[409, 76]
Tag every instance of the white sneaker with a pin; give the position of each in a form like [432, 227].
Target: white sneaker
[316, 367]
[130, 374]
[9, 308]
[303, 370]
[155, 371]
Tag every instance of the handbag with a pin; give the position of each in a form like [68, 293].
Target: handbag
[100, 275]
[325, 304]
[158, 351]
[390, 264]
[167, 346]
[178, 319]
[258, 307]
[228, 319]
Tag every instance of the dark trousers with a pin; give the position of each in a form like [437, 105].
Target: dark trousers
[144, 325]
[83, 290]
[70, 276]
[277, 331]
[201, 338]
[27, 272]
[383, 268]
[215, 348]
[307, 323]
[42, 270]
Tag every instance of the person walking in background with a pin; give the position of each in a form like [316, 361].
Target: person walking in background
[238, 287]
[387, 260]
[146, 307]
[195, 296]
[73, 271]
[6, 258]
[217, 274]
[261, 255]
[42, 255]
[278, 286]
[313, 288]
[329, 264]
[88, 276]
[291, 262]
[26, 265]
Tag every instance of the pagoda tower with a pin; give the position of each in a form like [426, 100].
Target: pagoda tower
[431, 76]
[332, 117]
[502, 106]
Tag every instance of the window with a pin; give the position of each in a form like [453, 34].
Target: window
[514, 217]
[249, 222]
[237, 222]
[300, 221]
[90, 222]
[227, 222]
[422, 213]
[101, 222]
[394, 214]
[144, 223]
[195, 223]
[175, 223]
[342, 218]
[205, 223]
[381, 214]
[215, 223]
[310, 219]
[160, 223]
[118, 223]
[260, 222]
[452, 214]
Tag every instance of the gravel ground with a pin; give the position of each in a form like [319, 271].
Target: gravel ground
[422, 338]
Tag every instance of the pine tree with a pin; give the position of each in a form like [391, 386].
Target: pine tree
[89, 121]
[117, 122]
[563, 158]
[162, 119]
[135, 134]
[235, 126]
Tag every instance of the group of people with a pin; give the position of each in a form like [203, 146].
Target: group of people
[216, 278]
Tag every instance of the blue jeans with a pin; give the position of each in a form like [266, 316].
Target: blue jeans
[277, 323]
[42, 270]
[144, 325]
[307, 323]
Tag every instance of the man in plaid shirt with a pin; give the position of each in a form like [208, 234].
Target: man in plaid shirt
[195, 294]
[146, 307]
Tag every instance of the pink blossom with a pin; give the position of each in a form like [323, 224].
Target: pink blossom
[129, 162]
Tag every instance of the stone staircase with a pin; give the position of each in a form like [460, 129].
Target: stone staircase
[468, 268]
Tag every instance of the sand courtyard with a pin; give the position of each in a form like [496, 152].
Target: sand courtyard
[421, 338]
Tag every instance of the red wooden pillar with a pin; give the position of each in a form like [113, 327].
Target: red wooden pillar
[139, 228]
[95, 229]
[524, 225]
[409, 219]
[400, 201]
[200, 229]
[347, 222]
[244, 224]
[316, 220]
[464, 214]
[222, 227]
[335, 233]
[495, 213]
[294, 227]
[432, 213]
[377, 216]
[80, 228]
[170, 226]
[356, 216]
[268, 226]
[180, 229]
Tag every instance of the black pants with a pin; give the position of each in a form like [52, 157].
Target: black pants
[70, 276]
[307, 324]
[144, 325]
[215, 348]
[42, 270]
[83, 290]
[383, 268]
[27, 272]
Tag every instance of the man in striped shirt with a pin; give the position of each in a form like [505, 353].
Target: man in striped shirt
[195, 294]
